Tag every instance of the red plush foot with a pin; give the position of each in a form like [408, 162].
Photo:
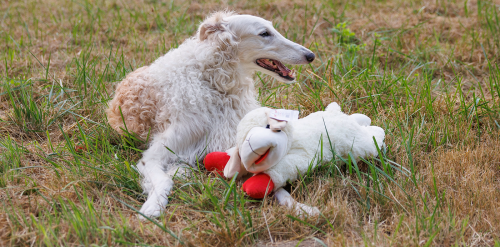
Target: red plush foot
[216, 161]
[258, 186]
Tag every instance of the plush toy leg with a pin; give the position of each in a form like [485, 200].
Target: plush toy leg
[216, 161]
[258, 186]
[284, 198]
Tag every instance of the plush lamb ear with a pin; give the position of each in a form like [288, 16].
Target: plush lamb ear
[234, 164]
[276, 125]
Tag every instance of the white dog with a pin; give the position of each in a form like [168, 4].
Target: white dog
[192, 98]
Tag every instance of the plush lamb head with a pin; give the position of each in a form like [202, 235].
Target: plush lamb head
[262, 142]
[277, 151]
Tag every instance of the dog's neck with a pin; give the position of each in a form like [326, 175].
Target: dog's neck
[228, 76]
[232, 79]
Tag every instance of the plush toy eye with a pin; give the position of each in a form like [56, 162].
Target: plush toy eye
[265, 34]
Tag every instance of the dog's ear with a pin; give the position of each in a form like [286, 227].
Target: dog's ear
[214, 24]
[207, 29]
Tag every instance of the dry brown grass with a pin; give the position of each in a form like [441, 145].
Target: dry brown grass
[430, 82]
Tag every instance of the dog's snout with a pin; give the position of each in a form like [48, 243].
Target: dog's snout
[310, 57]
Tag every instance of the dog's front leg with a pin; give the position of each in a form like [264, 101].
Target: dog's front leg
[155, 181]
[157, 184]
[157, 159]
[284, 198]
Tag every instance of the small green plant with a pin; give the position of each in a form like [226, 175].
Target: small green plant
[345, 35]
[347, 38]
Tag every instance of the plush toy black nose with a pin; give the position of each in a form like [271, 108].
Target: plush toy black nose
[310, 57]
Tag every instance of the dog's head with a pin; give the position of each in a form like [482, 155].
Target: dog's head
[258, 46]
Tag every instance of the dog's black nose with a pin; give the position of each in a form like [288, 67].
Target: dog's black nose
[310, 57]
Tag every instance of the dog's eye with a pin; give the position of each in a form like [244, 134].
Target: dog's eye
[265, 34]
[267, 127]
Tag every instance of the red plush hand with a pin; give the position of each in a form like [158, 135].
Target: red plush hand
[216, 161]
[258, 186]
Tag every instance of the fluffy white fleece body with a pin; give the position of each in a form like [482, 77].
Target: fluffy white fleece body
[312, 141]
[347, 134]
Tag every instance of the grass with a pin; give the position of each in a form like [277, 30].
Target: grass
[426, 71]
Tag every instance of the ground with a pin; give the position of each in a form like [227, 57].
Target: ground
[426, 71]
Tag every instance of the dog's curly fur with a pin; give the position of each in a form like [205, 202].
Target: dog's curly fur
[192, 98]
[197, 77]
[135, 99]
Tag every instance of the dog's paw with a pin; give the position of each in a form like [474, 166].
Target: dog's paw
[302, 209]
[157, 199]
[153, 207]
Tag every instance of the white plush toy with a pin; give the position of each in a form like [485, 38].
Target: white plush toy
[276, 149]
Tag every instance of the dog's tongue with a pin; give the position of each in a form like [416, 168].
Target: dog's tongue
[283, 69]
[276, 66]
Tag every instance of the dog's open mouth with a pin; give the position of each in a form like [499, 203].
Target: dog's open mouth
[276, 67]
